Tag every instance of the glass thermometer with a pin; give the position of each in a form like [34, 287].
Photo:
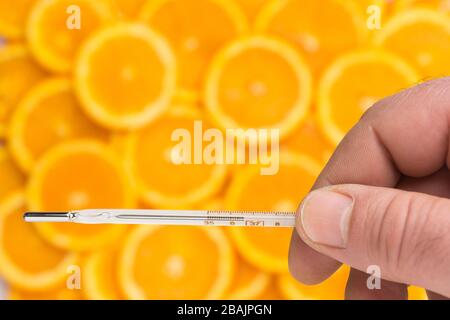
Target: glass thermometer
[168, 217]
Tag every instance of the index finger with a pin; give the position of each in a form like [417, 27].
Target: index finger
[405, 134]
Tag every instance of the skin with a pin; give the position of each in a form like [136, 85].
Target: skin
[394, 166]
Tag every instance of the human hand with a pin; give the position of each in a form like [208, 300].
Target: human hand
[383, 200]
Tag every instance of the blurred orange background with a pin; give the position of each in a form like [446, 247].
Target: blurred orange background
[90, 92]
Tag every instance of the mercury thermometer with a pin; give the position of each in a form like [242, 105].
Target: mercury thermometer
[168, 217]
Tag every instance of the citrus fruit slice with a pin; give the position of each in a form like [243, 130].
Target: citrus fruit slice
[416, 293]
[47, 115]
[272, 291]
[53, 34]
[307, 24]
[267, 248]
[158, 180]
[353, 83]
[79, 175]
[420, 36]
[196, 29]
[18, 73]
[12, 179]
[176, 263]
[26, 260]
[13, 16]
[55, 294]
[438, 5]
[273, 92]
[248, 282]
[127, 9]
[331, 289]
[100, 276]
[251, 8]
[125, 76]
[308, 139]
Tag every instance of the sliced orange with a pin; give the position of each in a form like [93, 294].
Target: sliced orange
[125, 76]
[196, 29]
[51, 40]
[353, 83]
[421, 36]
[13, 16]
[176, 263]
[308, 139]
[307, 23]
[12, 179]
[439, 5]
[127, 9]
[251, 8]
[18, 73]
[273, 92]
[55, 294]
[386, 7]
[79, 175]
[100, 280]
[416, 293]
[157, 179]
[26, 260]
[249, 282]
[331, 289]
[267, 248]
[272, 291]
[47, 115]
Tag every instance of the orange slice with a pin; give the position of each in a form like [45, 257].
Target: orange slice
[79, 175]
[416, 293]
[439, 5]
[331, 289]
[353, 83]
[55, 294]
[170, 263]
[248, 283]
[251, 8]
[47, 115]
[420, 36]
[50, 33]
[125, 76]
[13, 16]
[100, 276]
[127, 9]
[267, 248]
[309, 140]
[157, 179]
[273, 92]
[12, 179]
[26, 260]
[272, 291]
[18, 73]
[196, 29]
[307, 23]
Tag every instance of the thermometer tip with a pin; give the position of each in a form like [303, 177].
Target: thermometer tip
[47, 217]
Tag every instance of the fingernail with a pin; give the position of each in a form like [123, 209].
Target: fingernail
[325, 217]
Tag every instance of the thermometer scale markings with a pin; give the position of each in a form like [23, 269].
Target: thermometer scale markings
[168, 217]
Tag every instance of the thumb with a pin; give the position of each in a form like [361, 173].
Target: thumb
[405, 234]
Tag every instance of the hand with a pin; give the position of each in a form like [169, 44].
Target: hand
[383, 200]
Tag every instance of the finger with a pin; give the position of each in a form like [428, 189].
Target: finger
[405, 234]
[437, 184]
[358, 288]
[310, 276]
[406, 134]
[434, 296]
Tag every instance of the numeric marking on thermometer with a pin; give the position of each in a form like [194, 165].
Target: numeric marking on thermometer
[254, 223]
